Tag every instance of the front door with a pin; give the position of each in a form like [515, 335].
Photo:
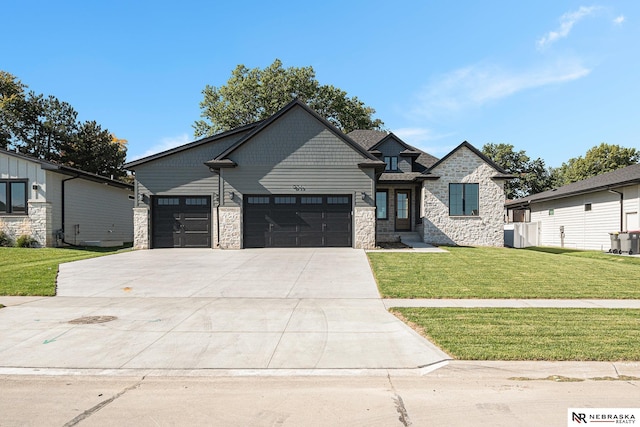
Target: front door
[403, 206]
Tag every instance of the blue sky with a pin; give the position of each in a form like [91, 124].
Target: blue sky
[553, 78]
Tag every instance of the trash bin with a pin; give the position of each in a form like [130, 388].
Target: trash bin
[629, 243]
[615, 243]
[634, 242]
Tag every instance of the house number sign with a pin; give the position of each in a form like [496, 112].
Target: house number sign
[299, 188]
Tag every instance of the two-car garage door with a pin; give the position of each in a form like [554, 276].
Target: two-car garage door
[297, 221]
[269, 221]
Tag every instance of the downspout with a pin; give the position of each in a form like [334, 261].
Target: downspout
[63, 216]
[621, 206]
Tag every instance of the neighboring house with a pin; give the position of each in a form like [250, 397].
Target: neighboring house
[60, 205]
[296, 180]
[582, 214]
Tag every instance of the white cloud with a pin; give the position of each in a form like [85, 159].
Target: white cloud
[165, 144]
[477, 85]
[567, 21]
[619, 20]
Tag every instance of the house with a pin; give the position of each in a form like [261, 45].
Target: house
[582, 214]
[296, 180]
[60, 205]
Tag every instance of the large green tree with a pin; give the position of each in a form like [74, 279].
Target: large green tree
[253, 94]
[531, 176]
[598, 160]
[47, 128]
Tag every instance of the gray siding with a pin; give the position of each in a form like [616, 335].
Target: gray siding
[182, 173]
[392, 147]
[294, 155]
[100, 212]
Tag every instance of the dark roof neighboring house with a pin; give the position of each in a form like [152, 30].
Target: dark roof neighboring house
[610, 180]
[68, 170]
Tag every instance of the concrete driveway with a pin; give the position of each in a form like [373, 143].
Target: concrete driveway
[188, 309]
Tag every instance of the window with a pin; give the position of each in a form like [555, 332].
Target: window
[391, 163]
[381, 204]
[463, 199]
[258, 200]
[337, 200]
[168, 201]
[13, 197]
[311, 200]
[197, 201]
[587, 207]
[285, 200]
[551, 212]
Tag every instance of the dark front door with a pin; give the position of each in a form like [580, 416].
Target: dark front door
[297, 221]
[181, 222]
[403, 207]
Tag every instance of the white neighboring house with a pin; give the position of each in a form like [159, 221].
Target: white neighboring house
[581, 215]
[59, 205]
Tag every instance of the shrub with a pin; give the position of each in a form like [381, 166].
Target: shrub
[26, 241]
[5, 240]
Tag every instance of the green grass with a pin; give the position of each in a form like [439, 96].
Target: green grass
[506, 273]
[26, 271]
[530, 333]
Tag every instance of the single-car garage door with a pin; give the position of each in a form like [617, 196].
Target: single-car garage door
[294, 220]
[181, 222]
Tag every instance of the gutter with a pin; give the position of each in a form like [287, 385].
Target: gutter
[621, 206]
[62, 206]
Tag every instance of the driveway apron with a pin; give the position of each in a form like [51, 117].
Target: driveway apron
[190, 309]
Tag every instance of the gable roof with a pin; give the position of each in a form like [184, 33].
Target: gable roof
[614, 179]
[372, 139]
[197, 143]
[68, 170]
[222, 161]
[502, 174]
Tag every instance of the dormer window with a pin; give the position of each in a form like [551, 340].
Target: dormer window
[391, 163]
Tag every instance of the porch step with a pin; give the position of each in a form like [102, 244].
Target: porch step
[409, 237]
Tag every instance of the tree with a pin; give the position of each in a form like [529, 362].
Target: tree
[95, 150]
[253, 94]
[47, 128]
[11, 94]
[531, 176]
[598, 160]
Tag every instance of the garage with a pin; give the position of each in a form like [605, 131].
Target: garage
[297, 221]
[181, 222]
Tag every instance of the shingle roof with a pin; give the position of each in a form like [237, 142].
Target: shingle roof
[367, 138]
[68, 170]
[609, 180]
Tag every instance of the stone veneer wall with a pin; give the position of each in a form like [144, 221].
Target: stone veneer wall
[141, 228]
[230, 227]
[365, 226]
[34, 224]
[486, 229]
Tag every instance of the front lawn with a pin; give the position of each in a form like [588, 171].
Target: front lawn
[530, 333]
[506, 273]
[25, 271]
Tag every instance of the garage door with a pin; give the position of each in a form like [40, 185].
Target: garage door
[181, 222]
[297, 221]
